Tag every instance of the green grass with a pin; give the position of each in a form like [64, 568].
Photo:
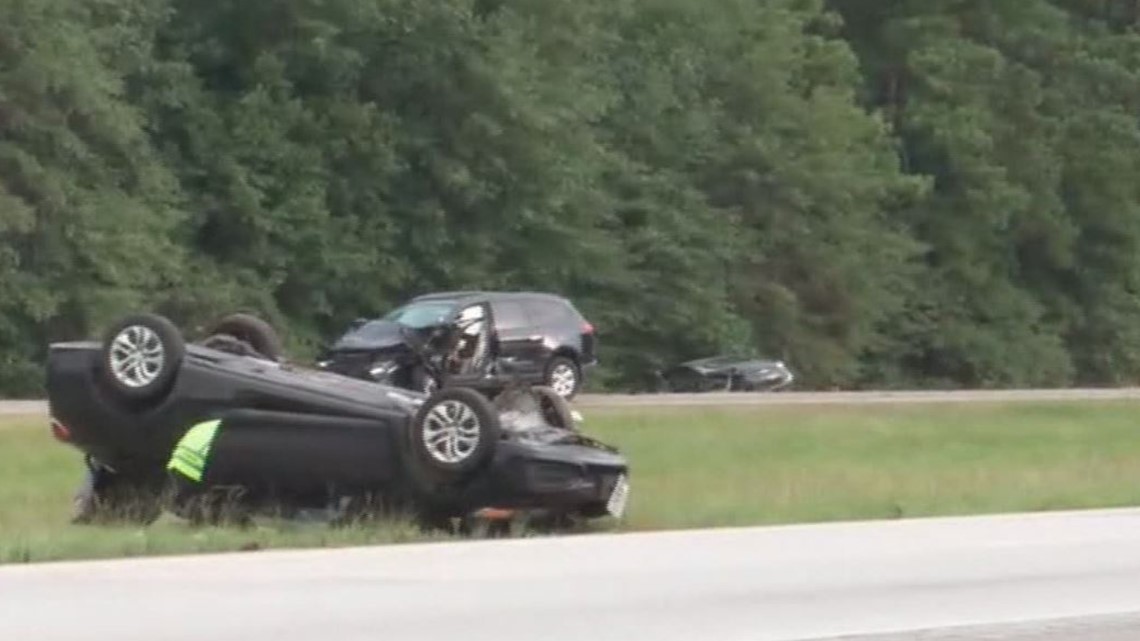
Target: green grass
[38, 477]
[697, 468]
[727, 467]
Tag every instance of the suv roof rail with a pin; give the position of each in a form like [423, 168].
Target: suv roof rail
[491, 294]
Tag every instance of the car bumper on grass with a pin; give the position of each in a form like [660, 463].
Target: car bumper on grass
[567, 478]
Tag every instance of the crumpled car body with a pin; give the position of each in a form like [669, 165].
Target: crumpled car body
[478, 339]
[380, 350]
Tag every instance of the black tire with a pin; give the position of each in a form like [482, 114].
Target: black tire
[127, 340]
[559, 365]
[252, 330]
[230, 345]
[479, 416]
[555, 408]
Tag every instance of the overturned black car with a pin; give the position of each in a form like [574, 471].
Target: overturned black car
[725, 374]
[284, 437]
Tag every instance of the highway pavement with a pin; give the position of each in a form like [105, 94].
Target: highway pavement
[1053, 577]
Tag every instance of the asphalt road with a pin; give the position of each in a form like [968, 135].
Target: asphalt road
[759, 584]
[614, 401]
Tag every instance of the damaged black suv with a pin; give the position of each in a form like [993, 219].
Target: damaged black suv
[479, 339]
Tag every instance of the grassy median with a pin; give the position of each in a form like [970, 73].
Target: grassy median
[699, 468]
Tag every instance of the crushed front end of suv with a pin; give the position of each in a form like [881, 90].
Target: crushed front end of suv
[479, 339]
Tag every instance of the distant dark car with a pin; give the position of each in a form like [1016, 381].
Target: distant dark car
[725, 374]
[476, 339]
[295, 436]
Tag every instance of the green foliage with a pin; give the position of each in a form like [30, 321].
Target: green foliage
[86, 208]
[898, 193]
[1017, 111]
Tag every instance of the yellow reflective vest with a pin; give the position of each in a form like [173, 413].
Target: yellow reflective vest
[193, 450]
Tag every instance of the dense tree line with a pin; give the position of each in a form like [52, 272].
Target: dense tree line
[888, 193]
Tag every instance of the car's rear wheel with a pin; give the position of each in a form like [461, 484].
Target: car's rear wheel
[252, 331]
[563, 376]
[141, 356]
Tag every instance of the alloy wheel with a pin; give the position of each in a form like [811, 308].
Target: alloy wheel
[137, 356]
[451, 432]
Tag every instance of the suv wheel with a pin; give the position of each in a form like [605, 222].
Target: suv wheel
[563, 376]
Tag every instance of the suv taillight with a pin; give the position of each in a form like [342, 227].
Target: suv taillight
[60, 431]
[587, 327]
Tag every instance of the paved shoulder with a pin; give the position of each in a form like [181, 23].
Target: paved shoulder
[762, 584]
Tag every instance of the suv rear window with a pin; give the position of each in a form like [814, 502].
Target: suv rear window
[545, 312]
[509, 314]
